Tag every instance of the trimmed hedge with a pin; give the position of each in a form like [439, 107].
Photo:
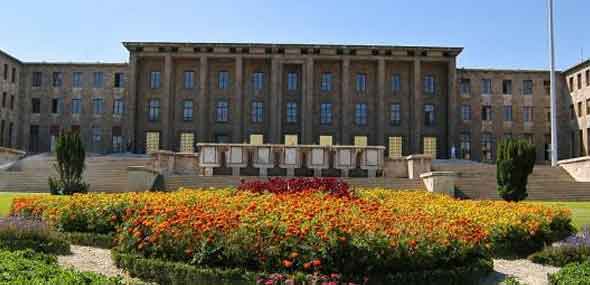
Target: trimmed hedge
[561, 255]
[167, 272]
[572, 274]
[20, 234]
[90, 239]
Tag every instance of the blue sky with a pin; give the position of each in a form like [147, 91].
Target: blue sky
[494, 33]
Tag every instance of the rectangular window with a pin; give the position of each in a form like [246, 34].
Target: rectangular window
[326, 82]
[155, 80]
[10, 132]
[118, 106]
[527, 114]
[57, 105]
[2, 132]
[580, 109]
[466, 113]
[429, 118]
[571, 84]
[547, 147]
[119, 80]
[58, 79]
[292, 81]
[256, 139]
[291, 112]
[486, 113]
[395, 117]
[96, 134]
[36, 105]
[360, 114]
[221, 111]
[98, 79]
[587, 77]
[361, 82]
[465, 86]
[486, 86]
[11, 102]
[396, 83]
[223, 80]
[76, 105]
[291, 139]
[465, 146]
[360, 141]
[429, 147]
[487, 145]
[548, 114]
[117, 140]
[507, 87]
[257, 112]
[154, 110]
[587, 107]
[579, 81]
[547, 86]
[326, 113]
[187, 142]
[4, 95]
[429, 85]
[188, 79]
[325, 140]
[37, 79]
[5, 71]
[527, 87]
[13, 76]
[187, 110]
[395, 147]
[152, 142]
[97, 106]
[77, 79]
[508, 113]
[258, 81]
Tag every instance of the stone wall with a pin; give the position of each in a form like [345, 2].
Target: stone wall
[578, 168]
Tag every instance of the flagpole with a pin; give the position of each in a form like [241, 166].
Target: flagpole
[553, 86]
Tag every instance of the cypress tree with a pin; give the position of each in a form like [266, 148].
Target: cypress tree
[70, 155]
[515, 162]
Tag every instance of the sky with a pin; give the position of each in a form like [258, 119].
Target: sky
[494, 33]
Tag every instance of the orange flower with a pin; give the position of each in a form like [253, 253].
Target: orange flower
[287, 263]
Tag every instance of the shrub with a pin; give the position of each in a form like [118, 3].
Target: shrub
[572, 274]
[105, 241]
[575, 248]
[18, 233]
[275, 185]
[70, 156]
[515, 161]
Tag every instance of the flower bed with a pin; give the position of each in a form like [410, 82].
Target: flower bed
[375, 233]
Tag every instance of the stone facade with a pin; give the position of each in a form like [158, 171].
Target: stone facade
[10, 101]
[174, 95]
[578, 113]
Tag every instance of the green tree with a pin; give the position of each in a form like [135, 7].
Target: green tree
[515, 162]
[70, 166]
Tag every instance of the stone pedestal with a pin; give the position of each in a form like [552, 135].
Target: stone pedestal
[440, 182]
[344, 159]
[418, 164]
[236, 158]
[209, 158]
[578, 168]
[186, 163]
[395, 167]
[290, 159]
[318, 159]
[372, 160]
[263, 159]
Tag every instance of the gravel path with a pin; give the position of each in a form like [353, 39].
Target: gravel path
[99, 260]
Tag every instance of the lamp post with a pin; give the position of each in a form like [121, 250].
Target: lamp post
[553, 86]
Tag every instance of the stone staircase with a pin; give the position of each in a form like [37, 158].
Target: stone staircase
[478, 181]
[103, 173]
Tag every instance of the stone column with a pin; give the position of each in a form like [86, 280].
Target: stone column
[380, 140]
[168, 131]
[307, 105]
[131, 114]
[345, 115]
[452, 109]
[416, 136]
[237, 122]
[203, 108]
[275, 107]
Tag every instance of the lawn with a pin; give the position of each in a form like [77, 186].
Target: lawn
[580, 211]
[6, 200]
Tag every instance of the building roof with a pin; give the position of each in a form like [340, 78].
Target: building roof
[577, 66]
[121, 64]
[502, 70]
[10, 56]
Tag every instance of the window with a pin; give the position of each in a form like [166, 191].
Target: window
[189, 79]
[547, 86]
[548, 113]
[98, 79]
[395, 117]
[36, 105]
[360, 141]
[221, 111]
[527, 87]
[58, 79]
[119, 81]
[256, 139]
[587, 107]
[4, 99]
[96, 134]
[326, 82]
[118, 106]
[77, 79]
[257, 112]
[547, 147]
[527, 113]
[508, 113]
[291, 139]
[486, 86]
[76, 106]
[429, 84]
[152, 142]
[579, 81]
[155, 80]
[572, 112]
[291, 112]
[13, 76]
[486, 113]
[10, 131]
[487, 145]
[395, 147]
[11, 102]
[37, 79]
[2, 132]
[325, 140]
[429, 118]
[223, 80]
[466, 113]
[465, 86]
[117, 140]
[587, 77]
[361, 82]
[429, 146]
[57, 105]
[292, 81]
[154, 110]
[507, 87]
[326, 113]
[187, 110]
[529, 138]
[5, 71]
[571, 84]
[579, 109]
[187, 142]
[465, 145]
[258, 81]
[360, 114]
[97, 106]
[396, 83]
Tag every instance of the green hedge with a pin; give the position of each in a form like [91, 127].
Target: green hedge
[37, 239]
[561, 255]
[166, 272]
[572, 274]
[90, 239]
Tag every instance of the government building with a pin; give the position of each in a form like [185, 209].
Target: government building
[410, 99]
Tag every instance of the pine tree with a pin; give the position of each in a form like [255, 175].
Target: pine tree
[515, 162]
[70, 166]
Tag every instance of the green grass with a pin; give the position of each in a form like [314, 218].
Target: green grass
[580, 211]
[6, 201]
